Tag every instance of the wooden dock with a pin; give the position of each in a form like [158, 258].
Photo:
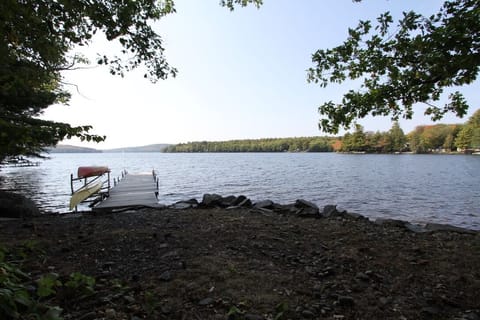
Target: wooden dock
[133, 191]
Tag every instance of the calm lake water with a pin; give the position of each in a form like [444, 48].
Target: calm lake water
[417, 188]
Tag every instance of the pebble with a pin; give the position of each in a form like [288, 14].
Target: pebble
[89, 316]
[362, 276]
[308, 314]
[108, 264]
[383, 300]
[110, 314]
[165, 276]
[471, 316]
[346, 301]
[431, 311]
[166, 309]
[206, 302]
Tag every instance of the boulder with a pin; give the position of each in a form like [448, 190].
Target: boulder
[182, 205]
[264, 204]
[352, 215]
[13, 205]
[447, 227]
[246, 203]
[329, 210]
[307, 209]
[211, 200]
[390, 222]
[239, 200]
[308, 213]
[300, 203]
[228, 201]
[242, 201]
[286, 209]
[191, 201]
[416, 228]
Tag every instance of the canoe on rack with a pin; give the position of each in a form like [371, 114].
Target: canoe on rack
[83, 193]
[85, 172]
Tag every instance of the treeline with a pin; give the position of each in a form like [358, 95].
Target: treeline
[300, 144]
[424, 139]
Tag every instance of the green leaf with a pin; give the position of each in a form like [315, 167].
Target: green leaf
[53, 314]
[46, 285]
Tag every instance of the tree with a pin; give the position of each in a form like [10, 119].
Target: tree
[469, 135]
[418, 142]
[355, 141]
[464, 138]
[396, 138]
[379, 142]
[449, 142]
[474, 123]
[37, 38]
[402, 65]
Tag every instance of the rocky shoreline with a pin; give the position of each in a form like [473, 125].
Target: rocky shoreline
[230, 258]
[306, 209]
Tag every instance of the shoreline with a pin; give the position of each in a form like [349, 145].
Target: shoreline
[301, 207]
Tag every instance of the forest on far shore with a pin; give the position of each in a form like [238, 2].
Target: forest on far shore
[424, 139]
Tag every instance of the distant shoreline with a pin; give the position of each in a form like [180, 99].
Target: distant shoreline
[142, 150]
[63, 148]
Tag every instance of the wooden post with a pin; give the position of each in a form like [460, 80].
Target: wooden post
[71, 182]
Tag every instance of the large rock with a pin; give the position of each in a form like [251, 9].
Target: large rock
[329, 210]
[211, 200]
[300, 203]
[215, 200]
[264, 204]
[447, 227]
[228, 201]
[242, 201]
[307, 209]
[182, 205]
[13, 205]
[387, 222]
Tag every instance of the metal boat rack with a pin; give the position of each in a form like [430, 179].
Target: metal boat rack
[86, 182]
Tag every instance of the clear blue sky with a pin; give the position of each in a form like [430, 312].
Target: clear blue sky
[242, 75]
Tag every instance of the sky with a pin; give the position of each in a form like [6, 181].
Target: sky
[242, 75]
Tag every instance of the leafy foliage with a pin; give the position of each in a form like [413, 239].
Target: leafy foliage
[23, 298]
[37, 38]
[305, 144]
[46, 285]
[80, 284]
[231, 3]
[401, 65]
[469, 135]
[17, 301]
[356, 141]
[426, 138]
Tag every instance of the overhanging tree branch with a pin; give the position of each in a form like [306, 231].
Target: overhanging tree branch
[414, 64]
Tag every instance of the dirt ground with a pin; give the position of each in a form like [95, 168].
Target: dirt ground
[250, 264]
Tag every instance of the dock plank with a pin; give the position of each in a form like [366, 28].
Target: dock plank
[135, 190]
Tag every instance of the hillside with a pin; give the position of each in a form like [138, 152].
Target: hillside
[159, 147]
[65, 148]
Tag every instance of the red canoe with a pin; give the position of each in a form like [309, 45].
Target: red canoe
[85, 172]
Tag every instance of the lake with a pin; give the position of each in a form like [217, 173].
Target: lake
[417, 188]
